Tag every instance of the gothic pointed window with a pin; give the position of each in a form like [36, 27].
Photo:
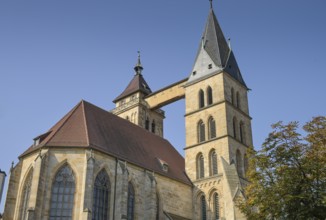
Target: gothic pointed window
[239, 163]
[101, 196]
[201, 99]
[131, 202]
[213, 163]
[153, 126]
[201, 131]
[212, 128]
[242, 133]
[200, 166]
[25, 196]
[203, 208]
[235, 127]
[62, 195]
[216, 206]
[209, 96]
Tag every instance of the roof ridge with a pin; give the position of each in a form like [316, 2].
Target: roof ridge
[227, 60]
[85, 122]
[64, 122]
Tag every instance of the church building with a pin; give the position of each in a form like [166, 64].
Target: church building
[95, 164]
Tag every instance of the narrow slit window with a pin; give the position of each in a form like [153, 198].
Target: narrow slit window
[212, 128]
[216, 206]
[201, 99]
[203, 208]
[200, 166]
[213, 164]
[201, 131]
[209, 96]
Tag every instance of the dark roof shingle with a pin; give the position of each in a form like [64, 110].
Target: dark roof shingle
[137, 84]
[218, 49]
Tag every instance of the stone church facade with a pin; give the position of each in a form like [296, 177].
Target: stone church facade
[96, 164]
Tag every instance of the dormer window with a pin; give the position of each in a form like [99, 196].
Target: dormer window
[36, 141]
[165, 168]
[194, 73]
[210, 66]
[40, 138]
[164, 165]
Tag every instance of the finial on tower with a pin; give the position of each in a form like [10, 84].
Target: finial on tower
[138, 68]
[229, 43]
[211, 3]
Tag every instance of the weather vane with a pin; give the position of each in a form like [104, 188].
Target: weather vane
[211, 3]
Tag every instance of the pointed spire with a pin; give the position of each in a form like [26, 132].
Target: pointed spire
[137, 84]
[138, 68]
[218, 49]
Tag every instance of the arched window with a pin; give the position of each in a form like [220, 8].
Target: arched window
[200, 166]
[213, 163]
[246, 163]
[201, 99]
[131, 202]
[212, 128]
[153, 126]
[242, 133]
[216, 205]
[238, 100]
[25, 195]
[232, 96]
[147, 124]
[203, 208]
[239, 162]
[201, 131]
[209, 96]
[62, 195]
[235, 127]
[101, 196]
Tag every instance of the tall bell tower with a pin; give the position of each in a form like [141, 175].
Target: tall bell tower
[218, 126]
[131, 104]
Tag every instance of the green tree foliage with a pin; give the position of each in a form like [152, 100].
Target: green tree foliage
[288, 175]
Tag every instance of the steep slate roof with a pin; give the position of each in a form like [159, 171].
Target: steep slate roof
[137, 84]
[218, 49]
[88, 126]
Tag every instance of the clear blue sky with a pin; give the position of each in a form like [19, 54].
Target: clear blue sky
[55, 53]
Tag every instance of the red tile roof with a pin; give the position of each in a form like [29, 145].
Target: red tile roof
[88, 126]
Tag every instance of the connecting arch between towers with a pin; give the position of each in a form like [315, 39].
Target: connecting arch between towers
[167, 95]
